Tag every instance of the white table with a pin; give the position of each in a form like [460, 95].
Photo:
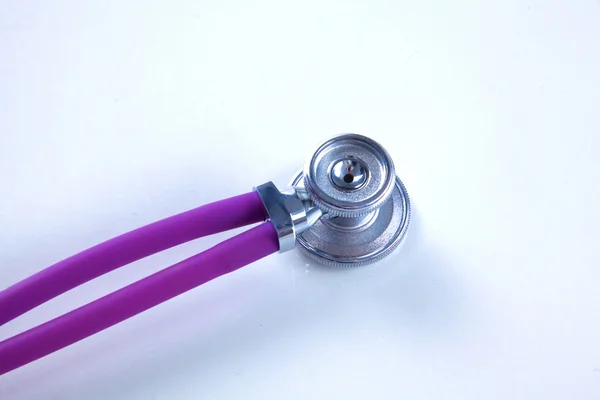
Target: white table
[114, 114]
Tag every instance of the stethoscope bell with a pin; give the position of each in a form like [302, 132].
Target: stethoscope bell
[366, 209]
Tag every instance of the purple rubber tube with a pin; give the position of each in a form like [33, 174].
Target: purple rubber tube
[65, 275]
[146, 293]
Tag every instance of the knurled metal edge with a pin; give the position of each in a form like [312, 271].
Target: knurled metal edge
[336, 212]
[336, 264]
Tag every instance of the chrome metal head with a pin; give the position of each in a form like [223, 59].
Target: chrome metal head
[347, 208]
[366, 208]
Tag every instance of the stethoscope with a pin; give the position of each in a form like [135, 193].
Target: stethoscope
[346, 208]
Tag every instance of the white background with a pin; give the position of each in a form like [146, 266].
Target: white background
[114, 114]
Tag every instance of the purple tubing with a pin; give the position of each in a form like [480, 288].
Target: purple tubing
[98, 260]
[111, 309]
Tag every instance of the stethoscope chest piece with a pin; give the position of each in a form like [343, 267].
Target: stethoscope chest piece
[366, 208]
[347, 208]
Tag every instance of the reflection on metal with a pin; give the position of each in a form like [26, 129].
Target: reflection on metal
[346, 208]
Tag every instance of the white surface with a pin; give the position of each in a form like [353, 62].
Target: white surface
[114, 114]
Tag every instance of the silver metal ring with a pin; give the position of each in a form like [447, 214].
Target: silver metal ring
[349, 176]
[358, 241]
